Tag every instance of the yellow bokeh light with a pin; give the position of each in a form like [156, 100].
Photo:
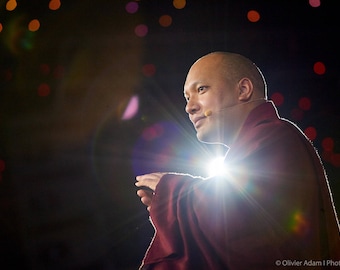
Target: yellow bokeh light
[11, 5]
[34, 25]
[54, 4]
[179, 4]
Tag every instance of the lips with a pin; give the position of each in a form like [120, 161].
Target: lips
[197, 121]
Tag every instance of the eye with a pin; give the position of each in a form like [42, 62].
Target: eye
[201, 88]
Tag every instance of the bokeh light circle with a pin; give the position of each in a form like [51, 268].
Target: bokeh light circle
[311, 133]
[314, 3]
[328, 144]
[319, 68]
[179, 4]
[132, 7]
[253, 16]
[54, 4]
[149, 70]
[34, 25]
[11, 5]
[141, 30]
[165, 20]
[305, 103]
[277, 98]
[44, 90]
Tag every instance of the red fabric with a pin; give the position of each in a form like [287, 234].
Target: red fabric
[274, 204]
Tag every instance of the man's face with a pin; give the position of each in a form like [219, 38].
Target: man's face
[207, 89]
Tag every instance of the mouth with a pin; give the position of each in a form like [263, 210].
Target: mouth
[197, 121]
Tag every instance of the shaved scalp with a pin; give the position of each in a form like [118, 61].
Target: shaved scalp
[234, 67]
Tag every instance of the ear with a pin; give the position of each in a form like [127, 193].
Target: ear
[245, 89]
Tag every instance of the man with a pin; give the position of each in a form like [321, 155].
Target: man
[273, 207]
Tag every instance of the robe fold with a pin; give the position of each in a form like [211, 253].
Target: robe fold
[272, 204]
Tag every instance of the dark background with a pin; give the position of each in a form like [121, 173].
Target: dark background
[69, 154]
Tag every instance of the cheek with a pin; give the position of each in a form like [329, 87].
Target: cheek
[208, 131]
[211, 104]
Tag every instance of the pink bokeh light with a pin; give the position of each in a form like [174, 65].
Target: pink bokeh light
[131, 109]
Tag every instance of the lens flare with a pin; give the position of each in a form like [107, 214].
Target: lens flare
[216, 167]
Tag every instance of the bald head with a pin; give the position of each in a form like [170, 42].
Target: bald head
[233, 67]
[221, 89]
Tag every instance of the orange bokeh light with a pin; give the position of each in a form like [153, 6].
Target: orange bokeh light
[34, 25]
[253, 16]
[11, 5]
[54, 4]
[179, 4]
[165, 20]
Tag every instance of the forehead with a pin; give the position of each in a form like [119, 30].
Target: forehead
[207, 69]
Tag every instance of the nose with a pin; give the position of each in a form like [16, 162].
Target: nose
[192, 107]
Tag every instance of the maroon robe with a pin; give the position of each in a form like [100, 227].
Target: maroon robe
[272, 206]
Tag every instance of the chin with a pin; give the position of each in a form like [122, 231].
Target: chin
[205, 138]
[209, 138]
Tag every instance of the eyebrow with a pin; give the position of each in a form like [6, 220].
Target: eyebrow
[191, 85]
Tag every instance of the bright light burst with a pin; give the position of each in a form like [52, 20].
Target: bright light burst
[216, 166]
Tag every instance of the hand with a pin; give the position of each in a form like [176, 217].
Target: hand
[150, 181]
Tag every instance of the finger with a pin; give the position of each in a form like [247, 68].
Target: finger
[146, 201]
[144, 193]
[150, 176]
[146, 197]
[148, 180]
